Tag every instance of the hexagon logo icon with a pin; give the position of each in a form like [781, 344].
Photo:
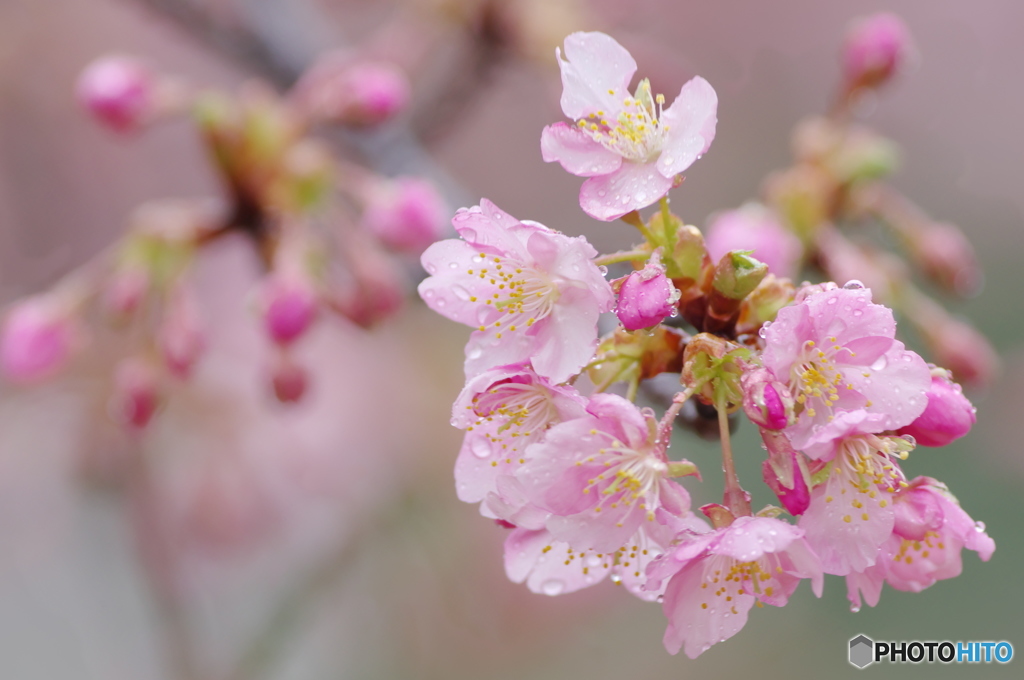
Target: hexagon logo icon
[862, 651]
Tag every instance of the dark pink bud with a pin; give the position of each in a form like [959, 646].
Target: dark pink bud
[407, 214]
[785, 472]
[948, 416]
[136, 393]
[376, 92]
[290, 382]
[646, 297]
[290, 305]
[875, 48]
[38, 337]
[118, 91]
[766, 401]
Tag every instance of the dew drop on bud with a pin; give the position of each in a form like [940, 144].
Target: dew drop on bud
[854, 608]
[763, 332]
[853, 284]
[979, 526]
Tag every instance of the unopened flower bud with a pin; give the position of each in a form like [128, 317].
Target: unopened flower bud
[118, 91]
[875, 48]
[38, 337]
[802, 196]
[754, 228]
[290, 381]
[785, 472]
[764, 303]
[125, 290]
[290, 305]
[948, 416]
[766, 401]
[180, 337]
[136, 393]
[738, 274]
[646, 297]
[689, 256]
[354, 93]
[964, 351]
[947, 258]
[406, 214]
[375, 290]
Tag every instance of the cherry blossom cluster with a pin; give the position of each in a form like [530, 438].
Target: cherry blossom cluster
[331, 234]
[557, 448]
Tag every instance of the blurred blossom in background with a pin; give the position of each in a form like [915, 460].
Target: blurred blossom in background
[268, 492]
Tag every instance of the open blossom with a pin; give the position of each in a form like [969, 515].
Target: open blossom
[553, 567]
[530, 292]
[715, 578]
[604, 476]
[503, 411]
[836, 351]
[629, 146]
[930, 531]
[851, 512]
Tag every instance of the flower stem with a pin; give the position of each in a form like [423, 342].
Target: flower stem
[633, 217]
[667, 223]
[734, 498]
[622, 256]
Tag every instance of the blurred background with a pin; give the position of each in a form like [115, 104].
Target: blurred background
[324, 539]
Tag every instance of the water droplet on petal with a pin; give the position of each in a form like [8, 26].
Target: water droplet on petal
[909, 439]
[552, 587]
[854, 608]
[453, 265]
[474, 353]
[480, 447]
[441, 302]
[763, 332]
[603, 270]
[853, 284]
[460, 292]
[616, 578]
[979, 526]
[880, 363]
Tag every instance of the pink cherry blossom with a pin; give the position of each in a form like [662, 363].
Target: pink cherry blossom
[629, 146]
[604, 476]
[930, 531]
[552, 567]
[530, 292]
[715, 578]
[754, 227]
[836, 351]
[851, 512]
[786, 472]
[503, 411]
[948, 416]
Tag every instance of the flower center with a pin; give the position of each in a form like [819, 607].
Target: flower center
[636, 133]
[522, 410]
[727, 578]
[520, 292]
[815, 378]
[631, 476]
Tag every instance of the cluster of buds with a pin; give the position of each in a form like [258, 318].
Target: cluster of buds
[331, 234]
[557, 450]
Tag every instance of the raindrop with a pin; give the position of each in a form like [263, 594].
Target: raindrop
[469, 235]
[909, 439]
[441, 302]
[602, 193]
[640, 196]
[616, 578]
[428, 293]
[552, 587]
[431, 268]
[460, 292]
[475, 353]
[480, 447]
[854, 608]
[764, 329]
[853, 284]
[879, 364]
[979, 526]
[833, 300]
[593, 560]
[453, 265]
[602, 269]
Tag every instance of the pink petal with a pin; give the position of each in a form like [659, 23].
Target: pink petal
[749, 538]
[577, 152]
[631, 187]
[691, 119]
[596, 64]
[693, 627]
